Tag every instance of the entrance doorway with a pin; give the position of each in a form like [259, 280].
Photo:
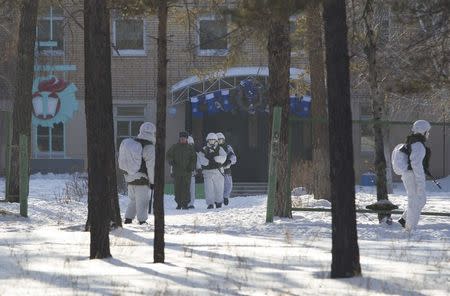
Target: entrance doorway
[247, 134]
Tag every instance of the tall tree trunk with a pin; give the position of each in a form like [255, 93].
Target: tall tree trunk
[345, 250]
[99, 124]
[116, 219]
[22, 108]
[161, 104]
[387, 155]
[377, 100]
[321, 160]
[279, 57]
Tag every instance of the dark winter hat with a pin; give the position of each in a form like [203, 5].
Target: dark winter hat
[184, 134]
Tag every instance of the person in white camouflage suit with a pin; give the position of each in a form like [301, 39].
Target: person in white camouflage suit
[231, 160]
[212, 158]
[191, 204]
[414, 177]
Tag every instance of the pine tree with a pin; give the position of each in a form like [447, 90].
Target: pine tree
[160, 7]
[279, 60]
[99, 124]
[345, 250]
[378, 106]
[271, 20]
[321, 161]
[161, 101]
[22, 108]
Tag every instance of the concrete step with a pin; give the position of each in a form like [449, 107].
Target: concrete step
[249, 188]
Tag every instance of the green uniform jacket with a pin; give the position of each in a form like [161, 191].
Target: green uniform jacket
[182, 158]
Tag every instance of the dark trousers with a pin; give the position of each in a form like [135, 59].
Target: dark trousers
[182, 190]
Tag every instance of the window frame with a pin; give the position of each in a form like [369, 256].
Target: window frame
[50, 154]
[129, 52]
[211, 52]
[127, 118]
[49, 51]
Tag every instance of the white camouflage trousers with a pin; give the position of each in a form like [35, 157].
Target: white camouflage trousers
[228, 186]
[214, 183]
[138, 206]
[416, 200]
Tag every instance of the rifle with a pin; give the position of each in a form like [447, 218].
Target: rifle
[434, 180]
[437, 184]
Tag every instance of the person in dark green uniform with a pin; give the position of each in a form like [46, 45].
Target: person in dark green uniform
[183, 159]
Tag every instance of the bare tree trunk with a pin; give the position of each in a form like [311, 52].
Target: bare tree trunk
[321, 160]
[387, 156]
[22, 108]
[377, 100]
[99, 124]
[345, 250]
[279, 54]
[161, 101]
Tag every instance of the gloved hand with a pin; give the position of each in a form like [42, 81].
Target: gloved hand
[152, 186]
[227, 162]
[209, 156]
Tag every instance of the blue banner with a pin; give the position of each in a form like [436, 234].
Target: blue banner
[195, 106]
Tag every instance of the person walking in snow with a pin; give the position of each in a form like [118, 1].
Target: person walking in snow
[183, 159]
[140, 183]
[191, 204]
[414, 177]
[212, 158]
[231, 160]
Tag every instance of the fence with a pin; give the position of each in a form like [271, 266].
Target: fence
[391, 138]
[301, 147]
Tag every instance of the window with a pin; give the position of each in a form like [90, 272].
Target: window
[50, 141]
[128, 122]
[366, 130]
[212, 36]
[128, 37]
[50, 30]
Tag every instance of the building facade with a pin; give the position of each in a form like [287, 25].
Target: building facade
[199, 70]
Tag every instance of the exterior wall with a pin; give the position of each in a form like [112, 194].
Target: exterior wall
[76, 141]
[134, 83]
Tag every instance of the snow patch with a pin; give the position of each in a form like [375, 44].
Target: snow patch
[226, 251]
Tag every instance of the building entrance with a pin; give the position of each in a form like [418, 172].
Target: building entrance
[248, 135]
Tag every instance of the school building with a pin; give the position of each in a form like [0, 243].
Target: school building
[204, 94]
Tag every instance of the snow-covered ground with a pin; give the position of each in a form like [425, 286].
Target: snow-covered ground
[227, 251]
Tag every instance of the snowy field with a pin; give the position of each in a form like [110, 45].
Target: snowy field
[227, 251]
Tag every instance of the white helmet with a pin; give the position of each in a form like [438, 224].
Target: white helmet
[147, 131]
[220, 136]
[190, 140]
[211, 136]
[421, 127]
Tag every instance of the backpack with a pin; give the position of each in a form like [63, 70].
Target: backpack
[400, 155]
[130, 156]
[400, 159]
